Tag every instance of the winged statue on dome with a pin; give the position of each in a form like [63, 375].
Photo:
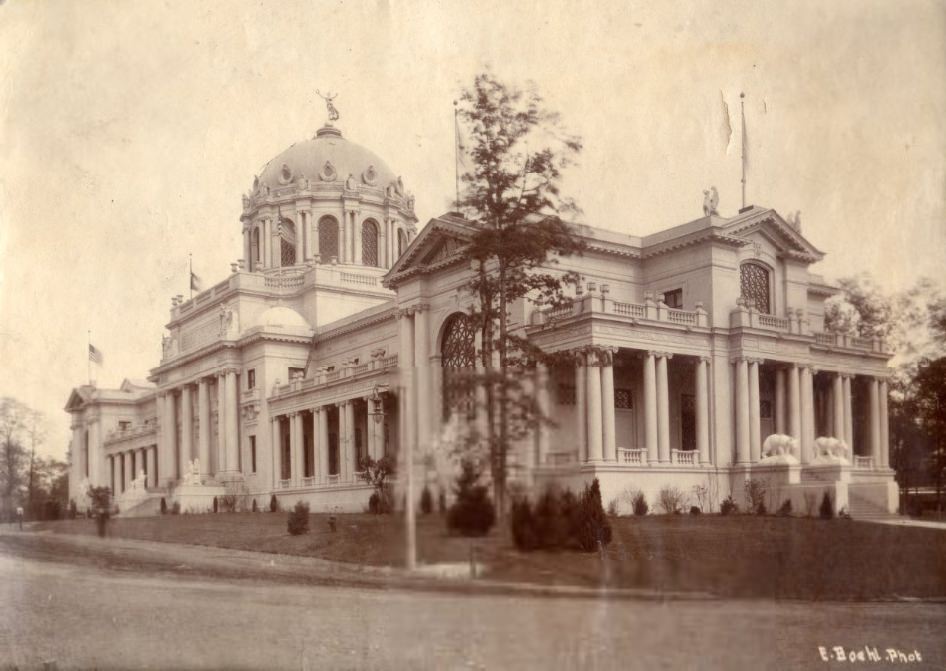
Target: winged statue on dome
[329, 105]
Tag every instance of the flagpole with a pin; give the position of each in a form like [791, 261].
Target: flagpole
[742, 103]
[88, 357]
[190, 271]
[456, 151]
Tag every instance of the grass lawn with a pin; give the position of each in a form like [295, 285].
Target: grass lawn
[749, 556]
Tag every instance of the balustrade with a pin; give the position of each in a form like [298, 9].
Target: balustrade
[863, 463]
[631, 455]
[688, 457]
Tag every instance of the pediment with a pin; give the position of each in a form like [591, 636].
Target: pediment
[784, 236]
[439, 243]
[78, 398]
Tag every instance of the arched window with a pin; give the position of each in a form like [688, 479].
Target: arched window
[401, 241]
[369, 243]
[328, 238]
[255, 253]
[754, 281]
[287, 243]
[458, 359]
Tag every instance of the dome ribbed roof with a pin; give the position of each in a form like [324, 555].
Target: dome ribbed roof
[326, 158]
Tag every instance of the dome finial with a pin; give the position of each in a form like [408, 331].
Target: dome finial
[329, 105]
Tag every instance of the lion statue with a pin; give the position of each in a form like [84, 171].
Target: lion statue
[780, 448]
[831, 450]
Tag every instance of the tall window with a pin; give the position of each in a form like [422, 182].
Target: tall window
[369, 243]
[251, 378]
[754, 280]
[457, 357]
[674, 299]
[328, 238]
[252, 454]
[401, 241]
[256, 250]
[287, 243]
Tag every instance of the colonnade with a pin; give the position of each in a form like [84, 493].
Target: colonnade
[124, 466]
[306, 225]
[177, 449]
[294, 473]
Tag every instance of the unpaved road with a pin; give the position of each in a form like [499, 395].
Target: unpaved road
[115, 616]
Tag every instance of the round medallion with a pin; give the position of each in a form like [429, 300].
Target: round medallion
[370, 176]
[328, 173]
[285, 174]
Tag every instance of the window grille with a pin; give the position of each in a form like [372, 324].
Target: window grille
[328, 238]
[369, 243]
[754, 281]
[623, 399]
[457, 355]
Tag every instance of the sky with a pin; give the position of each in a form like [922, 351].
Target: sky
[129, 131]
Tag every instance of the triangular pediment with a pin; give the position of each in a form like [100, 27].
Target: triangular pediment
[785, 236]
[439, 243]
[78, 398]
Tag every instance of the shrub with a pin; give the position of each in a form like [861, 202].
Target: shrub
[176, 508]
[426, 501]
[640, 504]
[273, 504]
[826, 509]
[613, 508]
[164, 506]
[523, 525]
[255, 507]
[73, 510]
[590, 525]
[299, 519]
[375, 473]
[472, 514]
[785, 510]
[552, 516]
[695, 510]
[381, 502]
[702, 495]
[215, 504]
[728, 506]
[755, 496]
[229, 503]
[670, 500]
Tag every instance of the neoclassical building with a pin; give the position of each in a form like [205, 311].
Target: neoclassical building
[333, 336]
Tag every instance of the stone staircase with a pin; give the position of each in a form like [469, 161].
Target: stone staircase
[867, 510]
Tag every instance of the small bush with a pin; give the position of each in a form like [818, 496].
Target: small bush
[176, 508]
[728, 506]
[273, 504]
[695, 510]
[640, 504]
[613, 508]
[426, 501]
[381, 502]
[299, 519]
[216, 505]
[164, 506]
[523, 525]
[591, 526]
[826, 509]
[229, 503]
[552, 516]
[670, 500]
[472, 514]
[255, 507]
[785, 510]
[755, 496]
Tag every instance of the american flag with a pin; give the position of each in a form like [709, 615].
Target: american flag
[95, 356]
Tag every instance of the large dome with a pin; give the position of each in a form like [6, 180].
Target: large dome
[328, 157]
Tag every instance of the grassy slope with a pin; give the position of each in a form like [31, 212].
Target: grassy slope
[737, 556]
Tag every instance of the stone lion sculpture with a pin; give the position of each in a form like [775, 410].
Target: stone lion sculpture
[831, 449]
[779, 445]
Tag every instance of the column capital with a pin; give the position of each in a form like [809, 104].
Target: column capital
[660, 355]
[755, 360]
[704, 358]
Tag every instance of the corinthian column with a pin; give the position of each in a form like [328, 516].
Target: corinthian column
[807, 414]
[848, 416]
[874, 389]
[794, 406]
[837, 399]
[743, 431]
[170, 473]
[755, 428]
[233, 430]
[322, 413]
[884, 427]
[650, 407]
[702, 409]
[607, 403]
[593, 412]
[663, 408]
[221, 452]
[187, 429]
[203, 426]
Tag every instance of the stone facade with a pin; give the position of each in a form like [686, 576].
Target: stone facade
[331, 339]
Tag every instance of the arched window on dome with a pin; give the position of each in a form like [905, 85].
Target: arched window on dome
[369, 243]
[255, 253]
[458, 360]
[328, 238]
[401, 241]
[755, 285]
[287, 243]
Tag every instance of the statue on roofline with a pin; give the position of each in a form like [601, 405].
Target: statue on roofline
[329, 105]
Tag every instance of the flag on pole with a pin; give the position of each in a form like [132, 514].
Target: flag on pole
[196, 282]
[745, 141]
[95, 356]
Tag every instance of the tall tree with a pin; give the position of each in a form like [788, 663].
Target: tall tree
[15, 418]
[929, 400]
[511, 196]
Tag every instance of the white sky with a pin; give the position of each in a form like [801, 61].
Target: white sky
[129, 130]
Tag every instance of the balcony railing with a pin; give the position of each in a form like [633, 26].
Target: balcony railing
[688, 457]
[285, 484]
[600, 304]
[334, 479]
[308, 482]
[631, 455]
[863, 463]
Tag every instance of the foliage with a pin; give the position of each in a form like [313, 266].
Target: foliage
[785, 510]
[441, 501]
[472, 514]
[670, 500]
[216, 504]
[176, 508]
[640, 504]
[298, 522]
[525, 534]
[73, 509]
[728, 506]
[273, 504]
[613, 508]
[695, 510]
[22, 473]
[426, 501]
[826, 509]
[255, 508]
[228, 503]
[511, 198]
[554, 512]
[702, 495]
[560, 520]
[375, 473]
[929, 401]
[756, 490]
[591, 526]
[164, 506]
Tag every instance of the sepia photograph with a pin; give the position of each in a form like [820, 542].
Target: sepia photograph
[419, 334]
